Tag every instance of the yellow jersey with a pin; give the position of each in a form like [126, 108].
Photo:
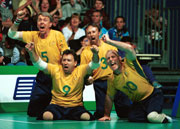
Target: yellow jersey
[67, 90]
[131, 81]
[50, 48]
[103, 72]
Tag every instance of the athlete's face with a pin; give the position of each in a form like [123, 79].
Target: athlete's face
[113, 61]
[44, 24]
[93, 35]
[120, 23]
[68, 63]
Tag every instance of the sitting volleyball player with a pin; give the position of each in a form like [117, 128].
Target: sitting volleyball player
[68, 85]
[129, 78]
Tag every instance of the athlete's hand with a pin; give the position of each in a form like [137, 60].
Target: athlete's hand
[105, 118]
[105, 38]
[90, 80]
[94, 49]
[21, 14]
[30, 47]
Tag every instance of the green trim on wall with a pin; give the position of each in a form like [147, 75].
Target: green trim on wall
[13, 107]
[6, 70]
[22, 106]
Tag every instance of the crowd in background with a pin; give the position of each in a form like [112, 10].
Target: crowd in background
[69, 16]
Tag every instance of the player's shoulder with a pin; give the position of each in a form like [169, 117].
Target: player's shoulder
[56, 32]
[107, 46]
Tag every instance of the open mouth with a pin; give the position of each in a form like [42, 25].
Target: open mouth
[42, 27]
[113, 65]
[65, 67]
[93, 38]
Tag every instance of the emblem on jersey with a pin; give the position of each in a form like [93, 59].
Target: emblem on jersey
[52, 43]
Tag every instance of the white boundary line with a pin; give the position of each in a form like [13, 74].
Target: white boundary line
[67, 122]
[61, 121]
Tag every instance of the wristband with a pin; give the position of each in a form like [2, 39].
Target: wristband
[17, 21]
[93, 65]
[40, 64]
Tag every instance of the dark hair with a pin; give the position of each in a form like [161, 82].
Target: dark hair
[94, 11]
[82, 38]
[124, 29]
[1, 54]
[40, 2]
[124, 20]
[70, 51]
[10, 42]
[99, 0]
[76, 15]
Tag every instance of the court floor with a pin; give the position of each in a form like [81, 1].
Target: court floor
[19, 120]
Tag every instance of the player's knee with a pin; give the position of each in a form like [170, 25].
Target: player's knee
[85, 116]
[47, 115]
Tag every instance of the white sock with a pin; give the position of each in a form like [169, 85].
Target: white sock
[154, 117]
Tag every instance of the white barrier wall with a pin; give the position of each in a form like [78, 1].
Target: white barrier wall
[10, 83]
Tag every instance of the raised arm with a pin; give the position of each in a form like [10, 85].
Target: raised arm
[127, 48]
[58, 8]
[13, 31]
[108, 107]
[36, 60]
[29, 2]
[94, 64]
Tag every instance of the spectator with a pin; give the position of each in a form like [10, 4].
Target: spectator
[72, 30]
[44, 6]
[1, 35]
[11, 53]
[98, 5]
[7, 15]
[119, 30]
[29, 4]
[154, 28]
[79, 46]
[1, 57]
[96, 19]
[70, 8]
[56, 24]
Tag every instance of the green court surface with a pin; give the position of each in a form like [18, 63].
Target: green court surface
[19, 120]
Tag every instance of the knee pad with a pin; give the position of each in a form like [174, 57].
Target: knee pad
[154, 117]
[85, 116]
[47, 115]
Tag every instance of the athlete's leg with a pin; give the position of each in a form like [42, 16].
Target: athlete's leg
[122, 104]
[100, 88]
[41, 95]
